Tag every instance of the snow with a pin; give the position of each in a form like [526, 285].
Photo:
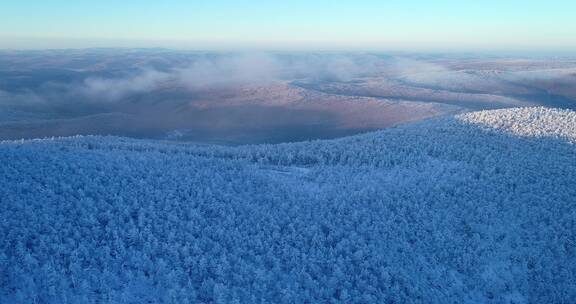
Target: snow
[474, 208]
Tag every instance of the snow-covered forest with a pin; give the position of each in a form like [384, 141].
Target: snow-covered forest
[473, 208]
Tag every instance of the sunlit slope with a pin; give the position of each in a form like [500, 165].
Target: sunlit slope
[479, 207]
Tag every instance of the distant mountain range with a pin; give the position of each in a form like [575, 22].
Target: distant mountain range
[239, 98]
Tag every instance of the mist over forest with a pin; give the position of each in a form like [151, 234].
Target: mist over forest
[260, 97]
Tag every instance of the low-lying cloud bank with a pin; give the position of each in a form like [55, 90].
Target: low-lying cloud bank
[200, 74]
[207, 72]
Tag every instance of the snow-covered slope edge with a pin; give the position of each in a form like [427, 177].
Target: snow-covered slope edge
[479, 207]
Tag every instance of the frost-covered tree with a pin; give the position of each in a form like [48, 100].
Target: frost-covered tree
[473, 208]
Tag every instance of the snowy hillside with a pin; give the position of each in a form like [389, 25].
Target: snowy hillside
[476, 208]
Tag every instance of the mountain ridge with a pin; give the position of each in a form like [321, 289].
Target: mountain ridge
[477, 207]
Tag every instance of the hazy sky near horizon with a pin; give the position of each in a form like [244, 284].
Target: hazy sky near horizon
[296, 24]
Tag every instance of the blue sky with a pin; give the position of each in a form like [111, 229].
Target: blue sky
[295, 24]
